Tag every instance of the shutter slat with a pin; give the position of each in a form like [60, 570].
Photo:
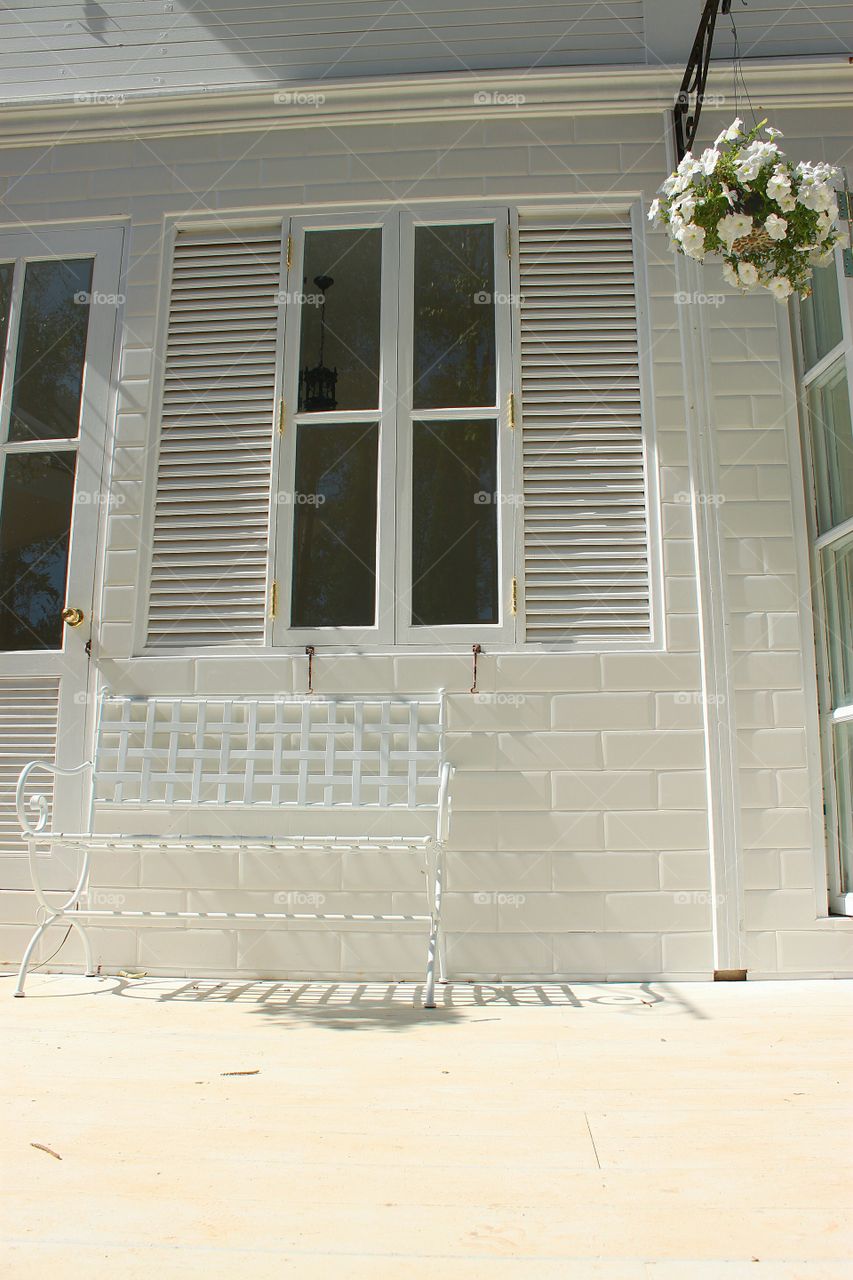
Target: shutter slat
[211, 524]
[585, 507]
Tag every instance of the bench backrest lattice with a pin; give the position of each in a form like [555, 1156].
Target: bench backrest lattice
[352, 753]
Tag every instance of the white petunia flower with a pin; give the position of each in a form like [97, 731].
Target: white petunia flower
[747, 168]
[727, 193]
[773, 133]
[780, 287]
[708, 161]
[685, 206]
[729, 135]
[654, 211]
[780, 183]
[730, 275]
[816, 195]
[692, 240]
[776, 227]
[732, 227]
[747, 273]
[824, 225]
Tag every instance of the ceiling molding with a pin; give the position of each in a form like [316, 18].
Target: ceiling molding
[777, 83]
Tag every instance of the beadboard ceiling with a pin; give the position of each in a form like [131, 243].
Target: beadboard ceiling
[129, 45]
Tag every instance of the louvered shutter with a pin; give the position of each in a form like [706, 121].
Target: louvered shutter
[586, 563]
[211, 523]
[28, 711]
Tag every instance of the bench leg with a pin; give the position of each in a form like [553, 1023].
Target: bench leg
[89, 967]
[28, 955]
[435, 926]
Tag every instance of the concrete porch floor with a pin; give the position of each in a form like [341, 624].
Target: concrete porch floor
[674, 1131]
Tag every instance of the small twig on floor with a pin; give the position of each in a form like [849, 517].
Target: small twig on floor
[256, 1071]
[39, 1146]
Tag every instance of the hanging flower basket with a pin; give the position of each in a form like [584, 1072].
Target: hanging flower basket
[771, 221]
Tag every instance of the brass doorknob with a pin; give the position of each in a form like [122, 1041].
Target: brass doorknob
[72, 617]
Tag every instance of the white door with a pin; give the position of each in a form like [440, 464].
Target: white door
[58, 307]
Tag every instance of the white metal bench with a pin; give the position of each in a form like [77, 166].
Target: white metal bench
[236, 768]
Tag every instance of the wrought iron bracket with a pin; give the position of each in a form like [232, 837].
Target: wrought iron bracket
[688, 103]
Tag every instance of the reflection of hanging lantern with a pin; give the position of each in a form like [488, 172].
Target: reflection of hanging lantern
[318, 384]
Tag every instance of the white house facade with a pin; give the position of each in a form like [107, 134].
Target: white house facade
[340, 360]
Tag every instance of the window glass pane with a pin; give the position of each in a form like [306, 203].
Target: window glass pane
[35, 517]
[7, 272]
[842, 735]
[836, 571]
[339, 347]
[51, 350]
[829, 414]
[821, 315]
[334, 541]
[454, 331]
[454, 523]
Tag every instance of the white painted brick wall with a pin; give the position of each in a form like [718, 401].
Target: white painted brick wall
[579, 842]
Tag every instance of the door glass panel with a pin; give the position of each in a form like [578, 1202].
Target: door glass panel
[820, 314]
[334, 538]
[829, 412]
[7, 272]
[454, 324]
[51, 350]
[35, 519]
[454, 523]
[836, 571]
[843, 763]
[339, 342]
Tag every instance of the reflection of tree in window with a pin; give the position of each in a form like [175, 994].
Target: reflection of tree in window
[454, 524]
[51, 350]
[334, 536]
[454, 331]
[35, 518]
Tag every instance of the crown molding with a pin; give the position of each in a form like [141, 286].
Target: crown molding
[779, 83]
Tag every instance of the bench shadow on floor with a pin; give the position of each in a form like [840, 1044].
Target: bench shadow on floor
[396, 1006]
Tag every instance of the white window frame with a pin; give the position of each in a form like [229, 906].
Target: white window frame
[395, 417]
[381, 631]
[508, 635]
[840, 902]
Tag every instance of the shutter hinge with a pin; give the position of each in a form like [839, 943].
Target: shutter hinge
[289, 253]
[273, 598]
[282, 408]
[509, 242]
[513, 608]
[510, 408]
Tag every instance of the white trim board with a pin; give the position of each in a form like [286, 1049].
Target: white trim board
[618, 90]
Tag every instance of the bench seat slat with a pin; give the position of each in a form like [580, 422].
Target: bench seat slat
[236, 843]
[358, 917]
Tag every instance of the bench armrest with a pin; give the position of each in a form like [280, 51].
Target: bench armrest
[38, 802]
